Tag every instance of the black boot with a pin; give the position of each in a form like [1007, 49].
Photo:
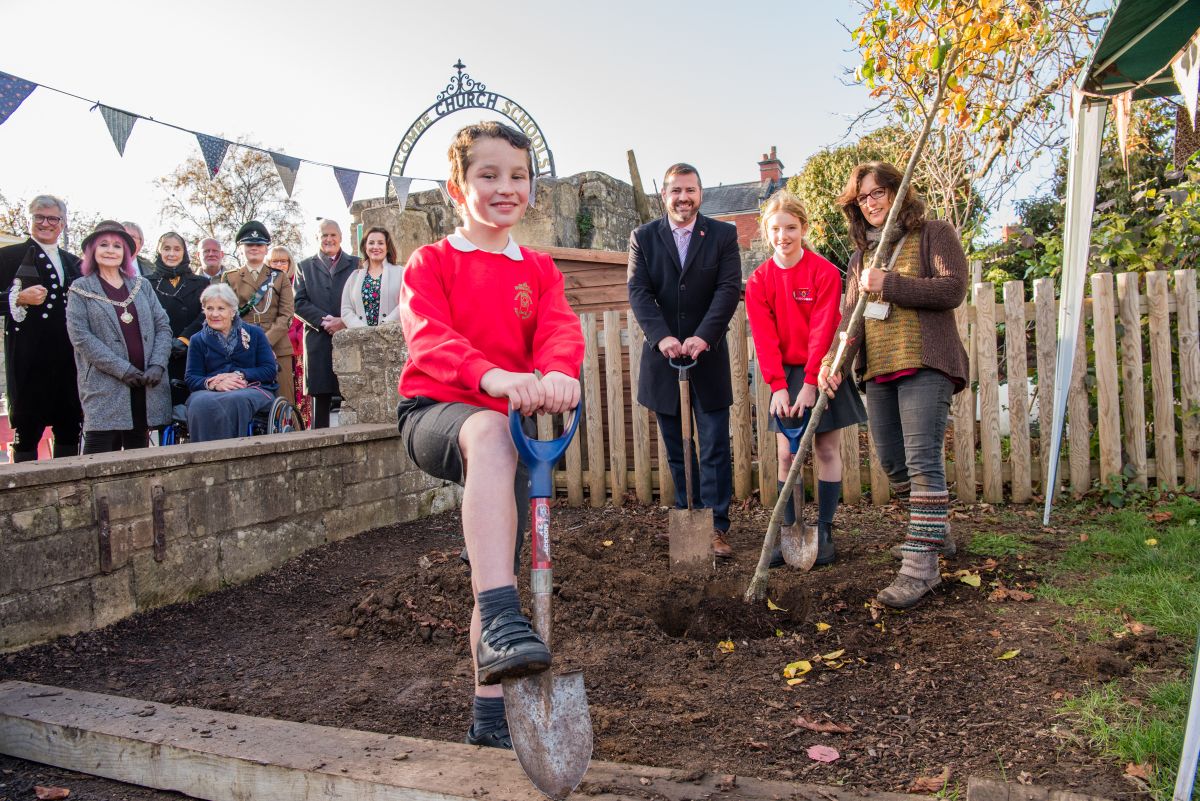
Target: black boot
[826, 552]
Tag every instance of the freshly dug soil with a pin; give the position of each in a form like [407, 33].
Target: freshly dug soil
[370, 633]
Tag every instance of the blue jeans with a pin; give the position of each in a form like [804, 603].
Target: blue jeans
[714, 489]
[908, 422]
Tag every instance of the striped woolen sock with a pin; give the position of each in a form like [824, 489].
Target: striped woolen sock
[927, 521]
[902, 490]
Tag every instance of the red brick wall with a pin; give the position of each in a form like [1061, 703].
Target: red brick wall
[747, 226]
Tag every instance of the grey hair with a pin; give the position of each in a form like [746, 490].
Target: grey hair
[221, 292]
[328, 222]
[42, 201]
[127, 224]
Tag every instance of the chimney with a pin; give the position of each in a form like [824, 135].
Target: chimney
[770, 169]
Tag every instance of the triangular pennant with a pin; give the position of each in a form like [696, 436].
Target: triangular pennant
[1122, 107]
[400, 186]
[13, 91]
[532, 190]
[347, 181]
[287, 167]
[1185, 68]
[449, 201]
[120, 125]
[214, 149]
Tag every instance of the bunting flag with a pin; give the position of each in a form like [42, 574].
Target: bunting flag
[214, 149]
[287, 167]
[1185, 68]
[1122, 108]
[400, 186]
[532, 190]
[347, 181]
[13, 91]
[120, 125]
[449, 201]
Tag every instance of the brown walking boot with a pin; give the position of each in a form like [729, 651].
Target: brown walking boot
[720, 547]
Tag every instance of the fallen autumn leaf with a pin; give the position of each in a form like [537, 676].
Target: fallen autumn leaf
[50, 793]
[827, 727]
[822, 753]
[930, 784]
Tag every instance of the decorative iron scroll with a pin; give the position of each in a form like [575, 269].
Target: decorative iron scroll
[463, 93]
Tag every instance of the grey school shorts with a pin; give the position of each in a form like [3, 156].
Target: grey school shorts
[429, 430]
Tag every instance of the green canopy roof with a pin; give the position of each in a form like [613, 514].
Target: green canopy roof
[1141, 37]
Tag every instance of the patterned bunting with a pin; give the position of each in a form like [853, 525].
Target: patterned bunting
[287, 167]
[214, 149]
[532, 190]
[400, 186]
[13, 91]
[449, 201]
[347, 181]
[120, 125]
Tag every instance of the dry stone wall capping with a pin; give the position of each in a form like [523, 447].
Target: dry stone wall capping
[88, 540]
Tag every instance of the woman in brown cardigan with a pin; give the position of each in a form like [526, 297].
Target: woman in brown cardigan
[265, 298]
[911, 359]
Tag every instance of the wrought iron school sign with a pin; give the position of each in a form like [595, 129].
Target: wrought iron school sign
[464, 93]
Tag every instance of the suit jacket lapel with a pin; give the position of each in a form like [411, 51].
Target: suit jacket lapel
[696, 241]
[668, 238]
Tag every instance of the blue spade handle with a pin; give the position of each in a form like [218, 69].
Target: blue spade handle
[794, 435]
[540, 456]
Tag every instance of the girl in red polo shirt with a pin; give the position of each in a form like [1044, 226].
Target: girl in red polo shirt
[793, 302]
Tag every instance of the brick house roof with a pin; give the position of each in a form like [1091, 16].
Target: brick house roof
[737, 198]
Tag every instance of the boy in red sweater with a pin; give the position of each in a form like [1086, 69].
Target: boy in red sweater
[793, 303]
[480, 314]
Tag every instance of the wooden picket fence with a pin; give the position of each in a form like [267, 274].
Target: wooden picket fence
[618, 451]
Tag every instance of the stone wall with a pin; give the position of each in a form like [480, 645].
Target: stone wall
[88, 540]
[588, 210]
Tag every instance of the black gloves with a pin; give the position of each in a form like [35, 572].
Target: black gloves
[153, 376]
[179, 349]
[133, 377]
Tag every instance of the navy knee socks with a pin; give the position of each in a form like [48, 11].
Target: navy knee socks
[829, 493]
[494, 601]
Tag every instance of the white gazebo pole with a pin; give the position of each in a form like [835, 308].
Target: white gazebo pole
[1188, 758]
[1087, 131]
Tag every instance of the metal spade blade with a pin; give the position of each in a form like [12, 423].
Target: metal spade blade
[551, 730]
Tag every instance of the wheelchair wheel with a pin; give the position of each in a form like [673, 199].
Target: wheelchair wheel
[283, 417]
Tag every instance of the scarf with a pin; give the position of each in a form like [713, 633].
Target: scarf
[184, 267]
[227, 341]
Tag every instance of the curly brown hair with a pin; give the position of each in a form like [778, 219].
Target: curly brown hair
[912, 210]
[460, 148]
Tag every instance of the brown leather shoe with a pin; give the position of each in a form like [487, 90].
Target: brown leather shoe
[720, 547]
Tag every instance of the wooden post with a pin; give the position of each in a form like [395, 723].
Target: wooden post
[640, 204]
[851, 466]
[1133, 399]
[575, 470]
[1189, 374]
[1046, 338]
[1079, 459]
[643, 481]
[1108, 404]
[962, 410]
[666, 481]
[1165, 464]
[614, 374]
[739, 421]
[1018, 391]
[881, 489]
[989, 393]
[768, 463]
[593, 412]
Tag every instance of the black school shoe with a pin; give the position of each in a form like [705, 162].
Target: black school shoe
[509, 648]
[495, 737]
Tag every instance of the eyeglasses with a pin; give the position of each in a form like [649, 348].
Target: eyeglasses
[876, 194]
[46, 218]
[279, 261]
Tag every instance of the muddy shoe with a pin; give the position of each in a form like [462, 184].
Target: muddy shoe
[720, 546]
[948, 549]
[509, 648]
[495, 737]
[906, 591]
[826, 551]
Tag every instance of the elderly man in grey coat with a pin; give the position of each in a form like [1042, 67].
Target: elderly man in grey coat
[320, 280]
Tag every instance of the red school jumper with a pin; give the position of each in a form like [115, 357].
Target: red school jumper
[793, 313]
[464, 313]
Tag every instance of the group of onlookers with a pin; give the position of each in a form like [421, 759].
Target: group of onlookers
[107, 348]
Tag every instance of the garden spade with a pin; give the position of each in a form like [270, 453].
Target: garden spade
[548, 716]
[798, 542]
[690, 530]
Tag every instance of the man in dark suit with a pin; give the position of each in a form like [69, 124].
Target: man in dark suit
[319, 283]
[39, 359]
[145, 266]
[685, 279]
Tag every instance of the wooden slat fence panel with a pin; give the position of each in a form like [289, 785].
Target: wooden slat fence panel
[1189, 374]
[614, 362]
[1160, 381]
[1017, 366]
[1133, 399]
[989, 393]
[1108, 414]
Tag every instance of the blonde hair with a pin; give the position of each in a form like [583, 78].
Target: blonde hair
[291, 268]
[787, 203]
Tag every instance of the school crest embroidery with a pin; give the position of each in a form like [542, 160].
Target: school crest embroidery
[523, 302]
[802, 295]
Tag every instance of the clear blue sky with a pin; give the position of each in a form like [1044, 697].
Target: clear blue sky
[713, 83]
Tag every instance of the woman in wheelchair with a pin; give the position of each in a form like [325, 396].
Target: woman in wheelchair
[230, 370]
